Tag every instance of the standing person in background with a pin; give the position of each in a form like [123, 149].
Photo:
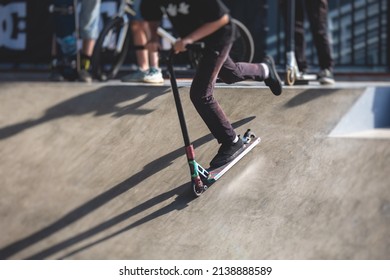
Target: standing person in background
[89, 32]
[147, 62]
[317, 13]
[209, 21]
[65, 29]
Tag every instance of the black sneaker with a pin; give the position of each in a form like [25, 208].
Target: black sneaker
[273, 81]
[226, 153]
[85, 65]
[85, 76]
[325, 77]
[55, 73]
[56, 76]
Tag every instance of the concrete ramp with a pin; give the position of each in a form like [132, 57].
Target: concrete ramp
[98, 172]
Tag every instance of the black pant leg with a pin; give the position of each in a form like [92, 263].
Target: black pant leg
[317, 11]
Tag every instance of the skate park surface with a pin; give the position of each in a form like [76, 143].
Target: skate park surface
[98, 171]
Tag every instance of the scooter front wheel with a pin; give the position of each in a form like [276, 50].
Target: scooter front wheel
[198, 187]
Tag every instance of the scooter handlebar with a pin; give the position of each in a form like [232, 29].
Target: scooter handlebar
[171, 39]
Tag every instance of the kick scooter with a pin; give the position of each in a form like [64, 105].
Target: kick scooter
[202, 178]
[293, 76]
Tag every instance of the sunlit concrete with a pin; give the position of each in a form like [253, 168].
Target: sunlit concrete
[98, 172]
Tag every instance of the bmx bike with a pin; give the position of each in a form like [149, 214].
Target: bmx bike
[114, 41]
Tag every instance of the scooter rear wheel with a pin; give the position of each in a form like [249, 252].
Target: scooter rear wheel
[290, 77]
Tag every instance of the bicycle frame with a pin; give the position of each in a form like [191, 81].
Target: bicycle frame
[123, 33]
[125, 8]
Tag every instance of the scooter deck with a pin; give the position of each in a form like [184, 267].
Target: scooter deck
[215, 174]
[305, 79]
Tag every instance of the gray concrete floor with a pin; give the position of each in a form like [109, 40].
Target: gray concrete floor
[98, 172]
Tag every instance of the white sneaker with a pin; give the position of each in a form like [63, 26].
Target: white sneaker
[135, 77]
[154, 76]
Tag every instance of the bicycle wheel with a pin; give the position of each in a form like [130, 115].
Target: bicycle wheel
[243, 48]
[110, 49]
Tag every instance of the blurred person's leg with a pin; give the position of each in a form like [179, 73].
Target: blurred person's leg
[317, 11]
[141, 53]
[299, 35]
[147, 63]
[154, 74]
[64, 49]
[89, 32]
